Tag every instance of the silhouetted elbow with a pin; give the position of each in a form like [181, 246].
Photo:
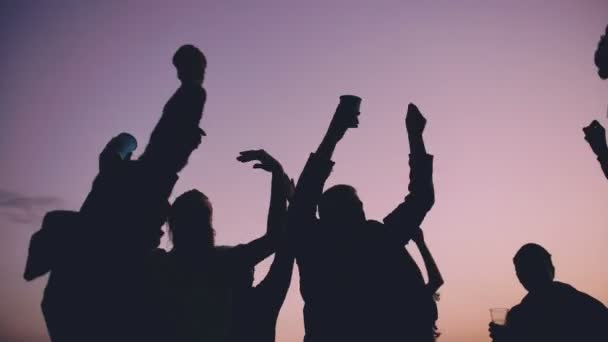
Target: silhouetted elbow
[29, 276]
[435, 284]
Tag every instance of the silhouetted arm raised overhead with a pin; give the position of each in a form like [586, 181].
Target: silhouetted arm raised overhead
[319, 164]
[272, 290]
[257, 250]
[421, 198]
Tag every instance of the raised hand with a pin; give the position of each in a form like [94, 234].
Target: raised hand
[343, 119]
[595, 134]
[414, 120]
[264, 160]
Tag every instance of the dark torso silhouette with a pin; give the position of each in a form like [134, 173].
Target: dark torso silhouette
[358, 282]
[176, 133]
[194, 297]
[363, 287]
[558, 314]
[98, 288]
[256, 308]
[209, 299]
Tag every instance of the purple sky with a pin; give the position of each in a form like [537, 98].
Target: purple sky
[506, 87]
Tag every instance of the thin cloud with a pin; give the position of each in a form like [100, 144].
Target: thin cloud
[20, 208]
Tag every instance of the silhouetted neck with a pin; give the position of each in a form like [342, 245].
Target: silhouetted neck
[543, 288]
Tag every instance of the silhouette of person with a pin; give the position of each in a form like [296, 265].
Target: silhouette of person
[601, 56]
[88, 282]
[256, 309]
[595, 135]
[49, 251]
[357, 280]
[551, 311]
[100, 291]
[435, 280]
[202, 285]
[177, 133]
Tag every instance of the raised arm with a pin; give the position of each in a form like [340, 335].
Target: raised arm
[595, 134]
[421, 198]
[319, 165]
[434, 276]
[257, 250]
[272, 290]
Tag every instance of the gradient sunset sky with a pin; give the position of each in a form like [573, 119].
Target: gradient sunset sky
[506, 87]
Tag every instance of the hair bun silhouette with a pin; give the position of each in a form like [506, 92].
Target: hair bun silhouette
[190, 63]
[601, 56]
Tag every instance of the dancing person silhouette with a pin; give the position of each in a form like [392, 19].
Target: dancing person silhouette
[99, 291]
[200, 285]
[357, 280]
[257, 307]
[92, 272]
[551, 311]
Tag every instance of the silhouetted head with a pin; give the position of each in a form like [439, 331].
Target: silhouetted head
[340, 205]
[190, 63]
[190, 223]
[534, 267]
[601, 56]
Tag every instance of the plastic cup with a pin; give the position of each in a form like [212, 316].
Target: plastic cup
[499, 315]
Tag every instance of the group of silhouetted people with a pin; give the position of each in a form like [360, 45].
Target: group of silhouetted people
[109, 281]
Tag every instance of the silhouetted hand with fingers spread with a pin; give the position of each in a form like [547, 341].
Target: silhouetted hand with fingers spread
[595, 134]
[264, 160]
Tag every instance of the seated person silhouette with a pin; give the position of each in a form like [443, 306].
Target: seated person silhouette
[551, 311]
[601, 56]
[177, 133]
[199, 283]
[256, 308]
[357, 280]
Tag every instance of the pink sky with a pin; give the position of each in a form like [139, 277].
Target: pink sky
[506, 87]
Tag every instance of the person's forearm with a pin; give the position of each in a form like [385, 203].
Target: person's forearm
[273, 288]
[435, 278]
[603, 159]
[327, 147]
[277, 211]
[252, 253]
[416, 142]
